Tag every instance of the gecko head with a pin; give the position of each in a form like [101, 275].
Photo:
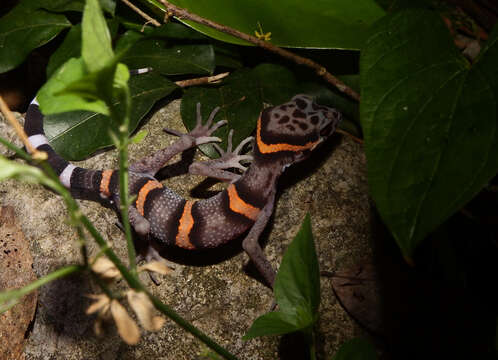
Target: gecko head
[292, 130]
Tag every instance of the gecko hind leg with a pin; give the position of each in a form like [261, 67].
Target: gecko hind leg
[216, 168]
[251, 243]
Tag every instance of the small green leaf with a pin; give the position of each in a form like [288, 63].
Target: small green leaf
[171, 59]
[273, 323]
[76, 135]
[356, 349]
[24, 29]
[71, 73]
[298, 278]
[296, 289]
[139, 136]
[96, 48]
[430, 122]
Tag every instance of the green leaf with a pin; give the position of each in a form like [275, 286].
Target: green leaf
[340, 24]
[296, 289]
[68, 5]
[78, 134]
[30, 174]
[139, 136]
[70, 48]
[23, 30]
[430, 122]
[171, 59]
[52, 101]
[96, 48]
[298, 278]
[273, 323]
[356, 349]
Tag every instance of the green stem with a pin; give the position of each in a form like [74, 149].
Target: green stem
[166, 310]
[21, 153]
[14, 295]
[134, 283]
[123, 171]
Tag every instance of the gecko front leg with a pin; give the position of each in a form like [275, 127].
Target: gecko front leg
[201, 134]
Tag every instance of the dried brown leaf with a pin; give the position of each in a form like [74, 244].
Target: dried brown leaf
[102, 303]
[141, 304]
[156, 266]
[127, 328]
[105, 268]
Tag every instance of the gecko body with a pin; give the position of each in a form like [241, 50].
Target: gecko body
[285, 134]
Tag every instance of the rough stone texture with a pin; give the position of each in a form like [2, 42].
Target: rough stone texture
[213, 291]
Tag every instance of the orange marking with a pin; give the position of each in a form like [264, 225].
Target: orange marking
[143, 192]
[185, 226]
[240, 206]
[272, 148]
[104, 183]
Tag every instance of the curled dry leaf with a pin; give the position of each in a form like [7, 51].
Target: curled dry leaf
[101, 304]
[156, 266]
[97, 327]
[127, 328]
[141, 304]
[105, 268]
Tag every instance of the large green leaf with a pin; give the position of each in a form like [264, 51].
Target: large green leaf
[24, 29]
[68, 5]
[430, 122]
[296, 289]
[171, 59]
[339, 24]
[76, 135]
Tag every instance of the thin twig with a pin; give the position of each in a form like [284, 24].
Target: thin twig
[202, 80]
[142, 14]
[4, 108]
[354, 138]
[172, 10]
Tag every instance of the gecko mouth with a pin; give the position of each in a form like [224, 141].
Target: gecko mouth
[327, 130]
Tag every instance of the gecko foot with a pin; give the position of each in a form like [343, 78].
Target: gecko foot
[201, 134]
[229, 159]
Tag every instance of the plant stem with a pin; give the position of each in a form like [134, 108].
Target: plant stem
[123, 172]
[13, 295]
[166, 310]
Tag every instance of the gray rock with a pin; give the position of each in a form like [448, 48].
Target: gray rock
[216, 295]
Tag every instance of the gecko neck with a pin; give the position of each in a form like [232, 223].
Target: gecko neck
[259, 181]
